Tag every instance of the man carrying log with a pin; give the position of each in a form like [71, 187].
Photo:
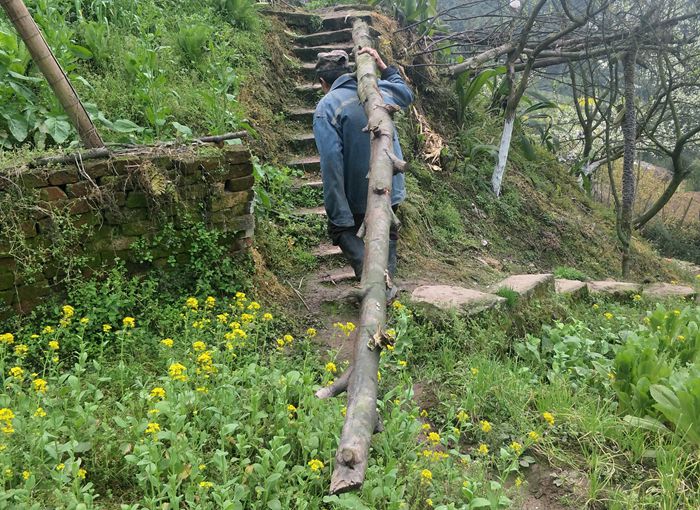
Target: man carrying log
[344, 146]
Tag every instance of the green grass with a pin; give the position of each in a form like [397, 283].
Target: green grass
[570, 273]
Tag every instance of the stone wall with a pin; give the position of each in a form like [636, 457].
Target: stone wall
[59, 219]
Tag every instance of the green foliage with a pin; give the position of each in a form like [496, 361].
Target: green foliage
[675, 241]
[468, 89]
[240, 13]
[512, 298]
[570, 273]
[193, 42]
[409, 11]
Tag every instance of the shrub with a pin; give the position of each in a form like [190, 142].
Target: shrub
[570, 273]
[240, 13]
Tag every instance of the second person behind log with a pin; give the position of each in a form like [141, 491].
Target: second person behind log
[344, 148]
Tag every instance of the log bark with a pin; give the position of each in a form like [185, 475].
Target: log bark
[361, 417]
[58, 81]
[629, 131]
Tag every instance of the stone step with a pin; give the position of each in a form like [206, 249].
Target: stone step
[303, 142]
[572, 288]
[342, 274]
[667, 291]
[305, 115]
[310, 181]
[458, 299]
[315, 22]
[308, 164]
[321, 38]
[529, 285]
[309, 92]
[613, 288]
[310, 211]
[325, 251]
[310, 53]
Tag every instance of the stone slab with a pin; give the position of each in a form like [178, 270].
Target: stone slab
[666, 290]
[613, 288]
[572, 288]
[529, 285]
[458, 299]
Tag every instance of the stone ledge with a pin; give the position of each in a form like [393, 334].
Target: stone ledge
[572, 288]
[458, 299]
[666, 290]
[529, 285]
[613, 288]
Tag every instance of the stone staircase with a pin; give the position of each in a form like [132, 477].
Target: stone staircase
[466, 301]
[315, 32]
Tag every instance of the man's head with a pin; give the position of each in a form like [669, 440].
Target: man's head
[330, 67]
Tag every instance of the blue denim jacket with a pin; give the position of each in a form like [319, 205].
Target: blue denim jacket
[345, 149]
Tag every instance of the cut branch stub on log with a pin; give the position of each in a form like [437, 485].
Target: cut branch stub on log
[361, 417]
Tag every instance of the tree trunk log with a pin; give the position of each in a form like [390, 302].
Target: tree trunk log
[50, 68]
[361, 416]
[629, 132]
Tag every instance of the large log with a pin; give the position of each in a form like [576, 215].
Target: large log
[361, 417]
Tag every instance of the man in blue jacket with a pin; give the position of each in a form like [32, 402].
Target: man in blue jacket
[344, 147]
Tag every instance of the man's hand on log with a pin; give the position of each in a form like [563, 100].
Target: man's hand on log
[377, 59]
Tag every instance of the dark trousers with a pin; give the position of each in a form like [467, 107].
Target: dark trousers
[354, 248]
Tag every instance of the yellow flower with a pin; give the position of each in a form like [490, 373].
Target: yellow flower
[288, 339]
[210, 302]
[177, 372]
[267, 317]
[17, 372]
[202, 467]
[424, 413]
[152, 428]
[254, 305]
[64, 322]
[390, 347]
[462, 416]
[192, 303]
[549, 418]
[129, 322]
[403, 363]
[21, 350]
[240, 295]
[82, 473]
[26, 474]
[315, 465]
[426, 476]
[608, 315]
[465, 484]
[60, 467]
[48, 330]
[456, 431]
[429, 502]
[533, 435]
[596, 306]
[330, 367]
[636, 297]
[199, 346]
[426, 426]
[222, 318]
[201, 389]
[240, 333]
[434, 437]
[246, 317]
[7, 416]
[84, 320]
[55, 359]
[291, 408]
[280, 343]
[158, 392]
[7, 338]
[485, 426]
[681, 338]
[391, 333]
[40, 385]
[106, 328]
[379, 375]
[483, 449]
[344, 410]
[53, 345]
[311, 332]
[474, 371]
[68, 311]
[516, 447]
[168, 342]
[396, 305]
[154, 411]
[676, 312]
[206, 485]
[611, 376]
[40, 413]
[518, 482]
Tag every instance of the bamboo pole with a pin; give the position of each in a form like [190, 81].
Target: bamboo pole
[361, 417]
[49, 66]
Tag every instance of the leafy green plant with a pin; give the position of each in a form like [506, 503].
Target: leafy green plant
[240, 13]
[570, 273]
[409, 11]
[192, 42]
[468, 88]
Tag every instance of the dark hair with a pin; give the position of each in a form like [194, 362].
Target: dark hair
[329, 75]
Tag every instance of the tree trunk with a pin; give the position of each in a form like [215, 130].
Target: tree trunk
[361, 417]
[50, 68]
[629, 131]
[678, 177]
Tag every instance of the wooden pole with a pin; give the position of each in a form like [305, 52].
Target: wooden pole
[49, 66]
[361, 417]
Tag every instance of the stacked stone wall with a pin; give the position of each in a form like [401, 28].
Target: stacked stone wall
[94, 211]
